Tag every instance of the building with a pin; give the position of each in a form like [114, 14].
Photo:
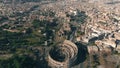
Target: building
[92, 49]
[67, 51]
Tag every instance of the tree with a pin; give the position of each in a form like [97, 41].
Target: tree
[29, 30]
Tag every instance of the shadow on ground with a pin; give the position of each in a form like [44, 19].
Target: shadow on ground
[82, 53]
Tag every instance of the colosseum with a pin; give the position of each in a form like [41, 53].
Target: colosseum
[63, 55]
